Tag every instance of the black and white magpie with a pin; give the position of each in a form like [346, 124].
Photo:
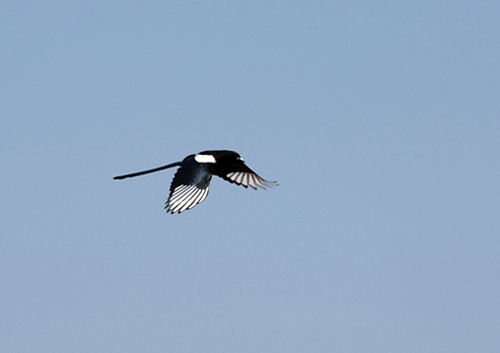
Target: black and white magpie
[192, 180]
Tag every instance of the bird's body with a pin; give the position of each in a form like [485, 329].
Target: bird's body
[191, 182]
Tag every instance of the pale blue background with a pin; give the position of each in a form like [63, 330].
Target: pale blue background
[380, 120]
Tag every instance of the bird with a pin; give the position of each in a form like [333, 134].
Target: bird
[191, 182]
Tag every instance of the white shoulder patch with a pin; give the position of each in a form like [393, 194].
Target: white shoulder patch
[204, 158]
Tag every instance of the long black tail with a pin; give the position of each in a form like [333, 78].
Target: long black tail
[131, 175]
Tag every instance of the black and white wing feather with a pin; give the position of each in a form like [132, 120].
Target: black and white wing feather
[247, 179]
[240, 174]
[189, 187]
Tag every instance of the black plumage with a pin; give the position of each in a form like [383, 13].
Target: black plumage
[191, 182]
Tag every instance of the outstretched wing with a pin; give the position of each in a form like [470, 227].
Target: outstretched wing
[189, 187]
[240, 174]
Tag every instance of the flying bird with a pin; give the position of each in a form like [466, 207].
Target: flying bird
[191, 182]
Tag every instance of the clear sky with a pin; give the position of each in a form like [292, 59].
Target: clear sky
[380, 120]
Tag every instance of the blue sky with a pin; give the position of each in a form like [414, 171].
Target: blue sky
[379, 120]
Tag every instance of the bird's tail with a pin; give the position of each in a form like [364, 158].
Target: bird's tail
[131, 175]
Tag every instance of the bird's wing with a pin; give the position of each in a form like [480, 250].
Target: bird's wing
[189, 187]
[240, 174]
